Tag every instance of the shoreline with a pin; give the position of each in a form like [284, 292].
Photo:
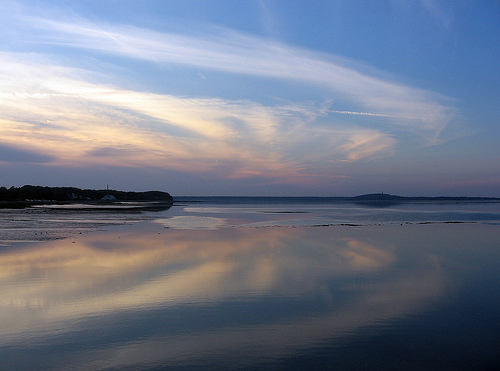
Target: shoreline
[60, 234]
[87, 205]
[39, 221]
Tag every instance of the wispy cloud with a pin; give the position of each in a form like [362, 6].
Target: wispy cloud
[62, 113]
[230, 51]
[371, 114]
[437, 11]
[50, 111]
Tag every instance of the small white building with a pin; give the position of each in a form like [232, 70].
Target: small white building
[108, 198]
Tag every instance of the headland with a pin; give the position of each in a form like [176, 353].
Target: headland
[29, 195]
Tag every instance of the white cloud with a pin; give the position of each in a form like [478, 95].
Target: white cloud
[53, 110]
[81, 119]
[230, 51]
[437, 11]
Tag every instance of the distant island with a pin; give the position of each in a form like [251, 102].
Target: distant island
[29, 194]
[388, 199]
[372, 199]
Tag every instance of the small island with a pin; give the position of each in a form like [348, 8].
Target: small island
[385, 198]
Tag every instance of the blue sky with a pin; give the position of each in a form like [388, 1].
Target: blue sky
[280, 98]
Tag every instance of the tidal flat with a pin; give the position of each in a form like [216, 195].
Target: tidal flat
[252, 286]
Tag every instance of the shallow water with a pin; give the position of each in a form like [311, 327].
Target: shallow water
[56, 221]
[259, 287]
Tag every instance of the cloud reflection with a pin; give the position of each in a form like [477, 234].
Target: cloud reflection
[247, 346]
[106, 275]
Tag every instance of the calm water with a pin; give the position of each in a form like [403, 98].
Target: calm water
[252, 285]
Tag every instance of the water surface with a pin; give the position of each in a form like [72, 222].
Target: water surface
[259, 286]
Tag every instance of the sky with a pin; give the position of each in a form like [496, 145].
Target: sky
[252, 98]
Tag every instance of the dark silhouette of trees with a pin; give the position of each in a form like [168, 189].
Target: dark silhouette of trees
[29, 193]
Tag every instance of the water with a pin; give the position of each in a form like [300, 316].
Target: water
[56, 221]
[254, 285]
[325, 211]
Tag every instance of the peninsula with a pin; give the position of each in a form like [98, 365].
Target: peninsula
[28, 194]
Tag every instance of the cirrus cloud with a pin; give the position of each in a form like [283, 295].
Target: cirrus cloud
[54, 111]
[79, 117]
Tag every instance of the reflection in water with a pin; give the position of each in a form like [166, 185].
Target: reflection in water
[192, 222]
[237, 297]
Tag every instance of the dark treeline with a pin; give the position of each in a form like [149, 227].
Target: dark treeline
[29, 193]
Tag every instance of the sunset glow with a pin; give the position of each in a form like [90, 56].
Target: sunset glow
[196, 102]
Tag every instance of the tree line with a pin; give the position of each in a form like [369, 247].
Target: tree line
[39, 193]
